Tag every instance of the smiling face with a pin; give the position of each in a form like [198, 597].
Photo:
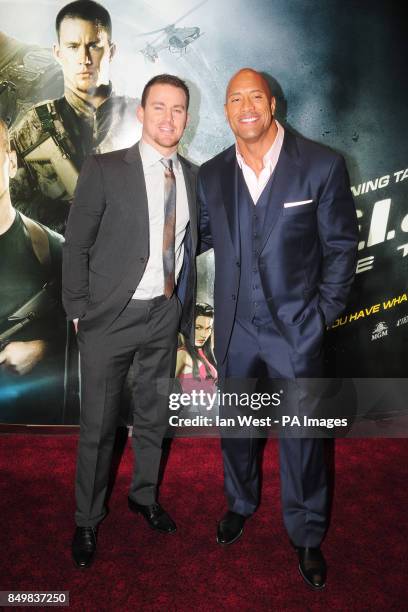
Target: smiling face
[203, 329]
[249, 107]
[164, 117]
[84, 53]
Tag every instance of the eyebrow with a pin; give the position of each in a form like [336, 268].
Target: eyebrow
[182, 106]
[236, 93]
[77, 42]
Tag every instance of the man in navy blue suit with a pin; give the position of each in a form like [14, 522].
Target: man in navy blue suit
[278, 211]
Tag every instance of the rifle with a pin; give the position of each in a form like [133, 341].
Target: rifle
[35, 308]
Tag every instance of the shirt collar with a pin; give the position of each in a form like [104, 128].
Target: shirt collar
[87, 109]
[271, 153]
[151, 156]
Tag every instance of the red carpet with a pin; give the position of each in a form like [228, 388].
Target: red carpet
[137, 569]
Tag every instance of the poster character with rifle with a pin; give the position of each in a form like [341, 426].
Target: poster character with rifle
[32, 325]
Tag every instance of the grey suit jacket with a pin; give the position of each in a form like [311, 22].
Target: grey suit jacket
[107, 239]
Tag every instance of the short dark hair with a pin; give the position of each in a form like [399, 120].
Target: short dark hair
[87, 10]
[165, 79]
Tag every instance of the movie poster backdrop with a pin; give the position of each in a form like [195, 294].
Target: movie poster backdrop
[337, 69]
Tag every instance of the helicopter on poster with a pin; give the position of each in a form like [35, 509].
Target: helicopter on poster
[171, 38]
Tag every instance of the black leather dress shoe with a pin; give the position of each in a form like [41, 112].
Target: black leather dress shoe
[84, 546]
[312, 567]
[156, 517]
[230, 527]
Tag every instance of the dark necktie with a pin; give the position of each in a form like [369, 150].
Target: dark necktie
[169, 229]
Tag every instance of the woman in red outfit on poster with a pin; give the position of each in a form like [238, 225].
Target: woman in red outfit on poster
[196, 367]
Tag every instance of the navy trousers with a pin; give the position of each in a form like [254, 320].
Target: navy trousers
[255, 351]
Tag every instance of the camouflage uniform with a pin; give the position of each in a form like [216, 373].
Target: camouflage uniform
[28, 75]
[53, 140]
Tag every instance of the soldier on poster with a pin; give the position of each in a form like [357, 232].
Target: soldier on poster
[53, 139]
[32, 322]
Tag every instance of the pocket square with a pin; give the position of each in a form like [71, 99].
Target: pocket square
[300, 203]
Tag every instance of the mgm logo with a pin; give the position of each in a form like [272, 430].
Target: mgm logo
[379, 331]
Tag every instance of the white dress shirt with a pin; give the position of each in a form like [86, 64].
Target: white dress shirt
[152, 281]
[256, 184]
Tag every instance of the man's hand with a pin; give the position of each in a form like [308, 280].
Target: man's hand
[75, 322]
[21, 357]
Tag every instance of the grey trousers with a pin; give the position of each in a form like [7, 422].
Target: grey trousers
[145, 336]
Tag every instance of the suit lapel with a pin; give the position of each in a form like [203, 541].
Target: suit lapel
[287, 163]
[189, 179]
[135, 186]
[229, 190]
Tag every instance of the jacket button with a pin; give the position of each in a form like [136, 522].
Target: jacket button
[234, 297]
[142, 259]
[238, 264]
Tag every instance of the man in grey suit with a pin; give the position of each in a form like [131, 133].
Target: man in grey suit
[128, 279]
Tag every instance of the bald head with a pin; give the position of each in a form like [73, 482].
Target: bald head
[249, 108]
[248, 75]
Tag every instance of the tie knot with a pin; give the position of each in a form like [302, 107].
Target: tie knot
[167, 163]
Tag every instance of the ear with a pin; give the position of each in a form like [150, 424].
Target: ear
[188, 119]
[112, 51]
[140, 114]
[56, 52]
[273, 105]
[13, 164]
[225, 112]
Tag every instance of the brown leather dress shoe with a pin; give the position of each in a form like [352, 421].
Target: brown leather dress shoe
[312, 567]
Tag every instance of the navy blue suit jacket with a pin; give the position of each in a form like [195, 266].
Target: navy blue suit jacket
[308, 248]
